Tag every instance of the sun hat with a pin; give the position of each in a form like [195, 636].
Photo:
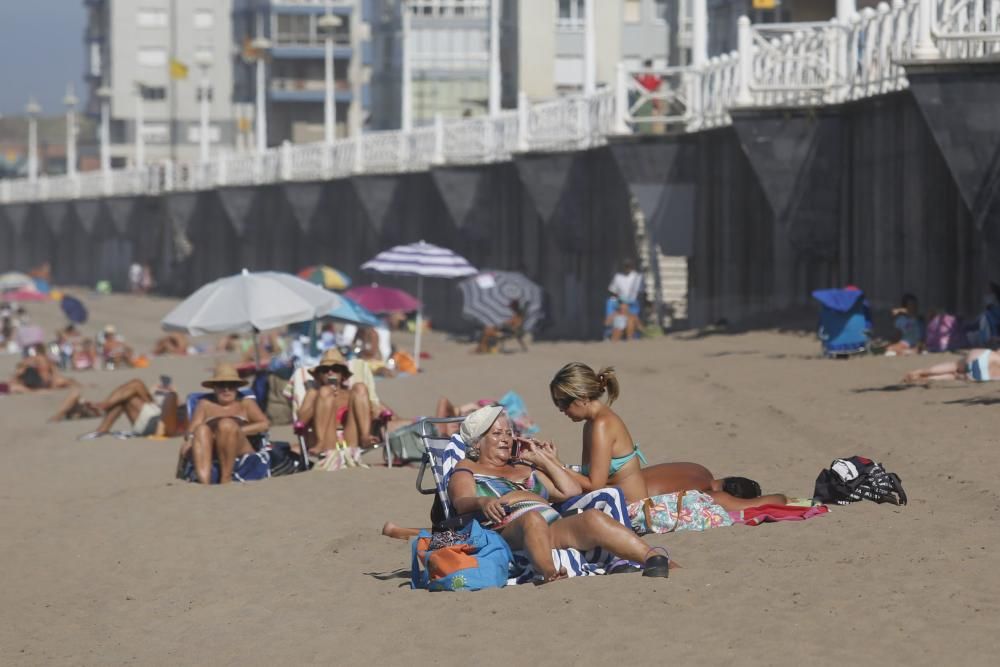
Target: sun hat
[110, 329]
[224, 373]
[332, 358]
[479, 422]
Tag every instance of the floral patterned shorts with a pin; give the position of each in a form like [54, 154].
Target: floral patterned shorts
[660, 514]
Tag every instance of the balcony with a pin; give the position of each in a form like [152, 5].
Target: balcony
[340, 7]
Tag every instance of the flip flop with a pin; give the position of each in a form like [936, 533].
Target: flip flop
[657, 565]
[93, 435]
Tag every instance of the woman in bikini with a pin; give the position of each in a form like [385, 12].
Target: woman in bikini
[978, 365]
[514, 499]
[661, 498]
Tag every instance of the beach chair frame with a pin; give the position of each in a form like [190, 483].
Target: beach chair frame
[429, 436]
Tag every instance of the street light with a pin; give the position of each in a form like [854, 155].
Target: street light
[104, 95]
[260, 46]
[328, 23]
[494, 97]
[204, 61]
[33, 110]
[70, 101]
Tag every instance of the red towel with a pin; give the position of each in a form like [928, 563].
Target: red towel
[766, 513]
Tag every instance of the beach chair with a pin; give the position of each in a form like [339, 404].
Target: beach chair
[443, 454]
[259, 441]
[844, 322]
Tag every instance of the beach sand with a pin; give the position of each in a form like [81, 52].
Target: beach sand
[108, 560]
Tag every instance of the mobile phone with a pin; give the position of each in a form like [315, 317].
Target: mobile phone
[165, 380]
[515, 449]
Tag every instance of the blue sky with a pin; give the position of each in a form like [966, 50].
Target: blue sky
[41, 51]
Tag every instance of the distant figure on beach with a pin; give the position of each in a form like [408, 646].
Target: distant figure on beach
[626, 285]
[622, 322]
[37, 372]
[909, 328]
[216, 448]
[978, 365]
[135, 278]
[133, 400]
[114, 351]
[174, 343]
[513, 327]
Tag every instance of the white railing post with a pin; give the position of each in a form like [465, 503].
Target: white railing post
[43, 186]
[74, 184]
[845, 10]
[744, 43]
[286, 160]
[221, 166]
[523, 120]
[438, 139]
[835, 56]
[359, 154]
[925, 48]
[699, 32]
[5, 191]
[168, 176]
[582, 121]
[621, 99]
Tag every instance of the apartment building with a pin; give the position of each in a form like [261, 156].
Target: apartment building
[168, 50]
[295, 65]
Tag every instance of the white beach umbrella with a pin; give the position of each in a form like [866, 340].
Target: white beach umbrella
[423, 260]
[250, 302]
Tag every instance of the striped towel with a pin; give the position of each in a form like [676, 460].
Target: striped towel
[447, 454]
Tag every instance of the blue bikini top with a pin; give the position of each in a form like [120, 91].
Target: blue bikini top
[618, 462]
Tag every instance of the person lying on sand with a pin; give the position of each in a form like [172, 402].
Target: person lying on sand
[612, 458]
[132, 399]
[219, 433]
[978, 365]
[174, 343]
[514, 499]
[36, 372]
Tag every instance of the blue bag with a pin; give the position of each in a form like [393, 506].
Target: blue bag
[464, 560]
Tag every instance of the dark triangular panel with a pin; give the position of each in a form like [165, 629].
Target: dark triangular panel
[303, 199]
[671, 224]
[180, 211]
[238, 205]
[376, 194]
[960, 103]
[87, 211]
[646, 161]
[544, 177]
[120, 209]
[55, 215]
[647, 196]
[777, 145]
[18, 216]
[458, 188]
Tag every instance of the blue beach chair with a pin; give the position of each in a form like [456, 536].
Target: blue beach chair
[844, 322]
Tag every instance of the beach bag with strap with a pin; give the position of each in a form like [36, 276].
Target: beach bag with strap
[470, 559]
[857, 478]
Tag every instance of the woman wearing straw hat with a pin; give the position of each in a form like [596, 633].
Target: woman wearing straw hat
[219, 430]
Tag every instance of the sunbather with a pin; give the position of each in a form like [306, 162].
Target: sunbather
[114, 350]
[612, 458]
[132, 399]
[909, 328]
[978, 365]
[219, 432]
[174, 343]
[514, 499]
[36, 372]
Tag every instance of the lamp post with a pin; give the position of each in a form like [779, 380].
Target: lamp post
[33, 110]
[495, 83]
[140, 126]
[204, 61]
[407, 73]
[70, 101]
[589, 49]
[260, 46]
[328, 23]
[104, 95]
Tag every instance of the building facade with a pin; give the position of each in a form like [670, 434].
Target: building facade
[295, 65]
[160, 53]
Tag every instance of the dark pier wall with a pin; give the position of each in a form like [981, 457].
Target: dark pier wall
[784, 202]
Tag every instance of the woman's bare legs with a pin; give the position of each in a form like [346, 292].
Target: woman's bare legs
[201, 453]
[532, 533]
[325, 420]
[358, 426]
[594, 528]
[950, 370]
[389, 529]
[67, 406]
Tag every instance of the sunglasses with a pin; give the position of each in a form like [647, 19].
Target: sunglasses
[227, 386]
[564, 402]
[323, 370]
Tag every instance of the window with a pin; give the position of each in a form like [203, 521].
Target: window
[153, 56]
[194, 134]
[204, 18]
[151, 18]
[154, 93]
[633, 11]
[661, 10]
[156, 133]
[570, 13]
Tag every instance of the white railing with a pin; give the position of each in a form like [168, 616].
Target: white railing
[776, 65]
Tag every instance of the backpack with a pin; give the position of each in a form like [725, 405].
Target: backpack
[470, 559]
[857, 478]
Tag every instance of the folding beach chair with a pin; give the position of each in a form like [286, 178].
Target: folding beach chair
[444, 454]
[844, 322]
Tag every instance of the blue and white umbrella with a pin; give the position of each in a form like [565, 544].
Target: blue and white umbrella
[423, 260]
[487, 298]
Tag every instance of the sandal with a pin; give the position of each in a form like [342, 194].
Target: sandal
[657, 565]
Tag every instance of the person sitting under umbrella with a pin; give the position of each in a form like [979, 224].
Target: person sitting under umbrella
[219, 432]
[330, 406]
[513, 327]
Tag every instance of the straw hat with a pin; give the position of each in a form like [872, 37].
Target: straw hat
[224, 373]
[332, 358]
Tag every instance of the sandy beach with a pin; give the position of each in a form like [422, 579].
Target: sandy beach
[108, 560]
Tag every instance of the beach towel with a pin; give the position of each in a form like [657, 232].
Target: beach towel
[771, 513]
[448, 454]
[247, 468]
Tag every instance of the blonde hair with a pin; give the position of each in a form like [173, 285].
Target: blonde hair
[576, 380]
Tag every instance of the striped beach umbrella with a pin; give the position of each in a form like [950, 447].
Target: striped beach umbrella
[325, 276]
[486, 298]
[423, 260]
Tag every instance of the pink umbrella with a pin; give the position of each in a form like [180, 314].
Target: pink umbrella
[24, 294]
[381, 300]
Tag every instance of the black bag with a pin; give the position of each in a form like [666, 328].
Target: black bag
[857, 478]
[284, 461]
